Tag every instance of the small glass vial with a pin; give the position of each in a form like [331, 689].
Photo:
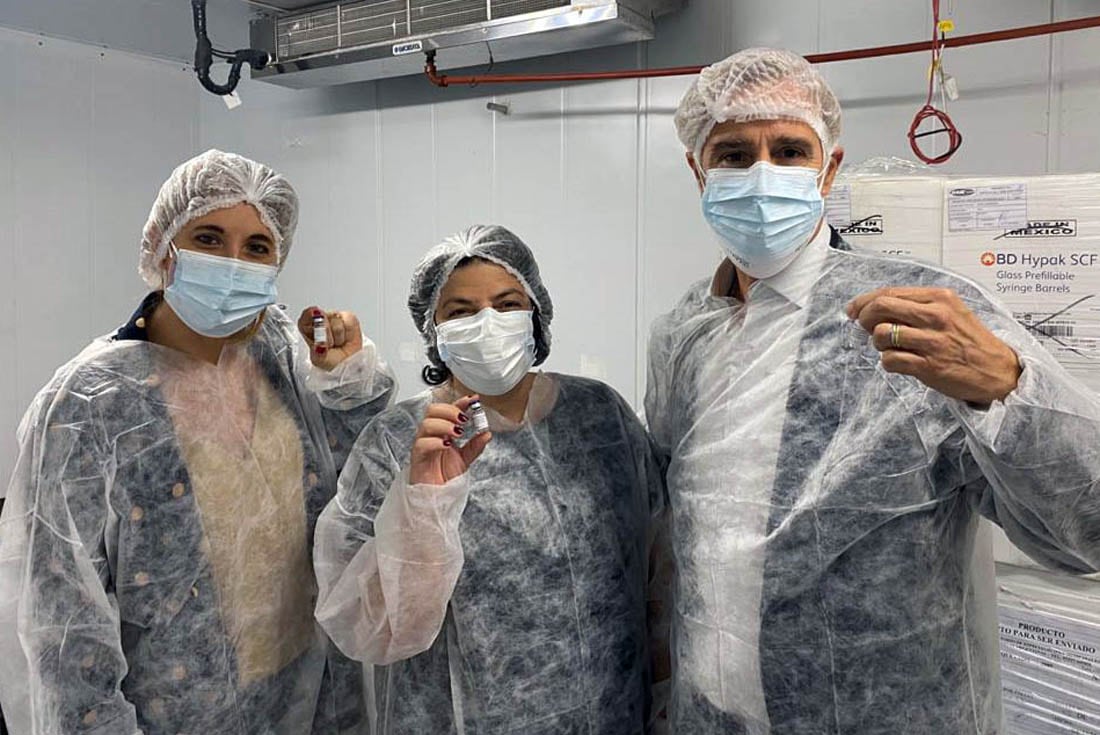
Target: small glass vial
[478, 418]
[320, 334]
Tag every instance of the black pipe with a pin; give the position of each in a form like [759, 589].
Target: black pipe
[205, 53]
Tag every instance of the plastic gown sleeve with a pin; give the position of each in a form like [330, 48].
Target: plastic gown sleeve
[659, 605]
[1039, 452]
[659, 597]
[387, 562]
[351, 394]
[61, 659]
[658, 391]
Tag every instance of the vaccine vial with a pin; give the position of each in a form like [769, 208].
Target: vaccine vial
[478, 417]
[320, 335]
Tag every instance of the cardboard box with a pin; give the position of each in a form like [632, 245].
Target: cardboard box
[895, 215]
[1050, 652]
[1034, 242]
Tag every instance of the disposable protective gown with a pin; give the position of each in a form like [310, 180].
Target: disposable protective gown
[825, 511]
[155, 567]
[512, 599]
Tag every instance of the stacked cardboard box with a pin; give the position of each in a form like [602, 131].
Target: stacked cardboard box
[1050, 652]
[1034, 242]
[896, 215]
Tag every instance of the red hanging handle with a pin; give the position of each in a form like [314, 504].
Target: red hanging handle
[929, 110]
[954, 137]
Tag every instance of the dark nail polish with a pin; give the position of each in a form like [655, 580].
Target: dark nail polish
[317, 312]
[459, 431]
[463, 418]
[447, 442]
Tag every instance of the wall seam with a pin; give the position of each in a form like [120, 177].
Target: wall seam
[380, 214]
[1054, 99]
[641, 132]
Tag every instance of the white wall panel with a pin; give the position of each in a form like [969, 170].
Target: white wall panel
[590, 260]
[677, 248]
[326, 143]
[1075, 92]
[88, 137]
[698, 33]
[462, 178]
[332, 161]
[1003, 102]
[160, 28]
[789, 24]
[528, 184]
[10, 404]
[129, 156]
[52, 205]
[409, 227]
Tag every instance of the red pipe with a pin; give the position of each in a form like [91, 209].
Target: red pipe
[445, 80]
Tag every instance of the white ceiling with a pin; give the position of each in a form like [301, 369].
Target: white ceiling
[158, 28]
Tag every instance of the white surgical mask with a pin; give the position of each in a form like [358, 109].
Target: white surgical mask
[489, 352]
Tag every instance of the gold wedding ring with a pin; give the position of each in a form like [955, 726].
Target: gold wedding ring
[895, 336]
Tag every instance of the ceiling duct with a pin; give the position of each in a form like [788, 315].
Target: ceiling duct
[371, 39]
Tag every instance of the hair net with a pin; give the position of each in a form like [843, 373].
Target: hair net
[490, 242]
[210, 181]
[758, 84]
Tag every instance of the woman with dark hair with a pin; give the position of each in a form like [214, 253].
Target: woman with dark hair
[497, 580]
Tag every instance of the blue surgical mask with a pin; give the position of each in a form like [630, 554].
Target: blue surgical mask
[764, 215]
[217, 296]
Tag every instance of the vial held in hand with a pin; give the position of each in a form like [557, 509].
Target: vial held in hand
[320, 334]
[478, 418]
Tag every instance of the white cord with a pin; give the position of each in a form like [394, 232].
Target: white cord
[266, 6]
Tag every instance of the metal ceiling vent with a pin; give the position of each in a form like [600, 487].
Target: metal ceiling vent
[371, 39]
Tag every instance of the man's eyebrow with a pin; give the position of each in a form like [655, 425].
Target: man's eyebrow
[731, 143]
[793, 140]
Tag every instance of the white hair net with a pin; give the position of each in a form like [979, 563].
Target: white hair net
[758, 84]
[210, 181]
[488, 242]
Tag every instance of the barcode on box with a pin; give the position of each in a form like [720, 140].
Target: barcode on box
[1052, 328]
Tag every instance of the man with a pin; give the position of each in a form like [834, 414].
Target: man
[834, 423]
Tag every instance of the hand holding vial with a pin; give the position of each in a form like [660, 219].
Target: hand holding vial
[332, 336]
[437, 457]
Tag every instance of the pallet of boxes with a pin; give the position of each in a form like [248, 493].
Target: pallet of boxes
[1034, 243]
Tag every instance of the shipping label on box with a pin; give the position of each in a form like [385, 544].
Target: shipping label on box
[896, 216]
[986, 206]
[1034, 242]
[1050, 673]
